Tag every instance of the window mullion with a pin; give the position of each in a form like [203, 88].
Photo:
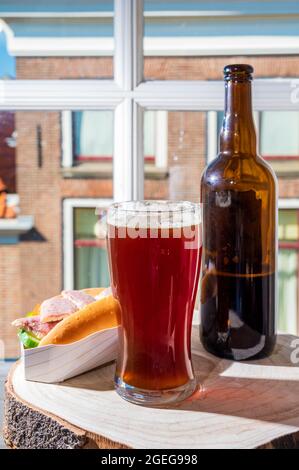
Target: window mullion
[204, 95]
[68, 247]
[137, 42]
[123, 44]
[269, 94]
[123, 151]
[137, 125]
[128, 72]
[138, 154]
[67, 139]
[212, 135]
[128, 43]
[58, 94]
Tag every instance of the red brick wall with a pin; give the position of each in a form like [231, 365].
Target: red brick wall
[10, 296]
[288, 187]
[47, 68]
[159, 68]
[86, 188]
[210, 68]
[39, 192]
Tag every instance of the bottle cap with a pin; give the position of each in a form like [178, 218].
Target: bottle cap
[238, 72]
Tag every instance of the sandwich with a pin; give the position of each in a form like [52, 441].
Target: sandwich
[68, 317]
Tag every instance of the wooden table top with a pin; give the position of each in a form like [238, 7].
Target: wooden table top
[240, 405]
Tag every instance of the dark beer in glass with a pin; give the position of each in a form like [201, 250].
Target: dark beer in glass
[154, 255]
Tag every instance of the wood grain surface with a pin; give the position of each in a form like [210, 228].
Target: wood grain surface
[237, 405]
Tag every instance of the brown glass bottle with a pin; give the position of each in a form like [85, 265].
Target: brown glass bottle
[238, 193]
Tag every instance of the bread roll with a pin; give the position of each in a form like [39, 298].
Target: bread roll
[97, 316]
[93, 291]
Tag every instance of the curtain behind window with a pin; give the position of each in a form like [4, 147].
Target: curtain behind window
[279, 133]
[93, 133]
[287, 291]
[91, 267]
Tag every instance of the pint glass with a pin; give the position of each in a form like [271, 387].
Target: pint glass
[154, 252]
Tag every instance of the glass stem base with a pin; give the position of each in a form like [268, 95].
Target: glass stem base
[143, 397]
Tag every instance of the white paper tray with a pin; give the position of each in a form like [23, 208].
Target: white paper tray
[56, 363]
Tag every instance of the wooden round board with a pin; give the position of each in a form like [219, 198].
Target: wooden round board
[239, 405]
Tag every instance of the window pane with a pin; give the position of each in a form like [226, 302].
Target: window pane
[179, 143]
[93, 135]
[279, 133]
[85, 223]
[278, 143]
[91, 266]
[194, 39]
[7, 63]
[288, 291]
[288, 257]
[288, 228]
[38, 198]
[57, 39]
[87, 144]
[149, 135]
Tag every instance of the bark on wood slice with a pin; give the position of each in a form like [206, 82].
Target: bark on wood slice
[238, 405]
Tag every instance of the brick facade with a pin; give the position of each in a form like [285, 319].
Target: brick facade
[210, 68]
[10, 296]
[50, 68]
[34, 266]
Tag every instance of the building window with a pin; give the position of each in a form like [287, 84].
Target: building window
[278, 139]
[288, 269]
[87, 137]
[85, 261]
[92, 136]
[8, 150]
[90, 261]
[279, 134]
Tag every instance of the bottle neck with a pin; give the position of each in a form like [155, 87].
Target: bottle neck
[238, 135]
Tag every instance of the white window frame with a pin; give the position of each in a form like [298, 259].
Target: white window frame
[288, 203]
[128, 95]
[67, 150]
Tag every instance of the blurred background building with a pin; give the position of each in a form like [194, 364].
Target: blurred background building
[57, 166]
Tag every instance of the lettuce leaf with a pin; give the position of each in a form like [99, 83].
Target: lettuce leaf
[28, 339]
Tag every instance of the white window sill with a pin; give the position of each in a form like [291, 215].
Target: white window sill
[17, 226]
[104, 171]
[285, 168]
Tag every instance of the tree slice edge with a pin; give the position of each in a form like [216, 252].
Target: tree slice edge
[29, 427]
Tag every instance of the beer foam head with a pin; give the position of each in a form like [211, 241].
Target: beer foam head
[154, 214]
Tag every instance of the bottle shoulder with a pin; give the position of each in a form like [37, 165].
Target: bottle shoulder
[239, 170]
[268, 169]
